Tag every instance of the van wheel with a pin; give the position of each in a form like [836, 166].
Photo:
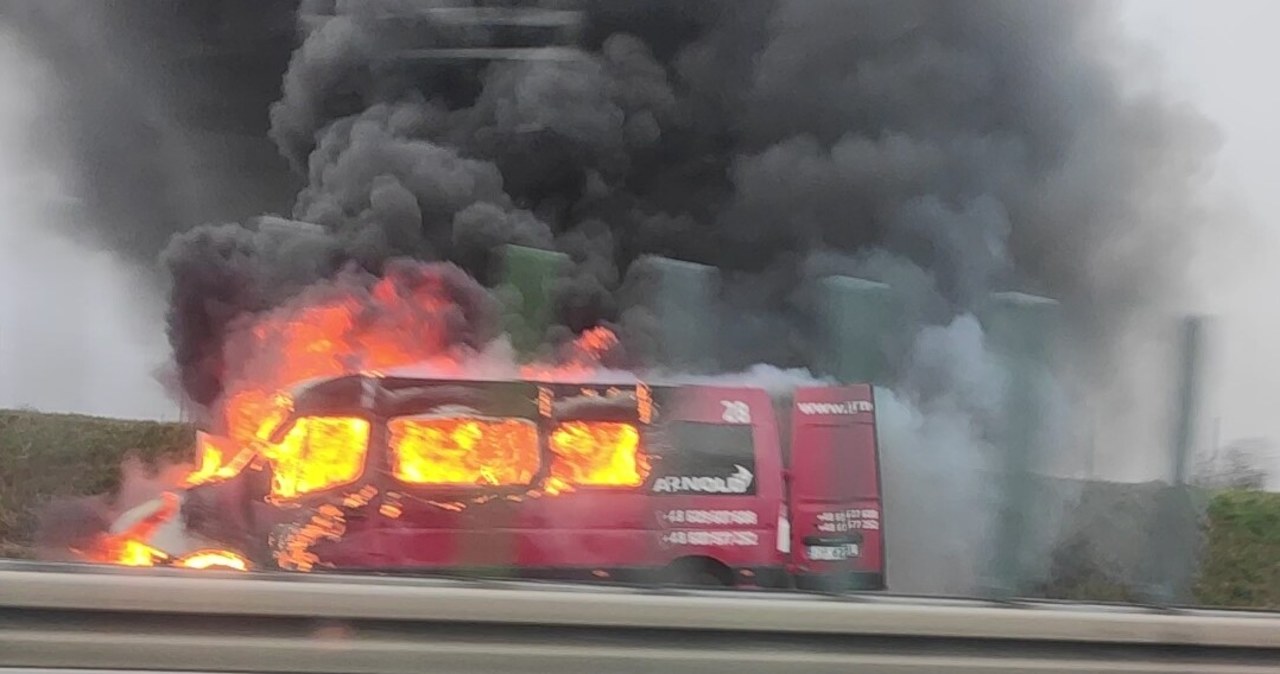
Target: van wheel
[699, 573]
[706, 579]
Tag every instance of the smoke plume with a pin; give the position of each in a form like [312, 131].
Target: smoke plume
[992, 146]
[158, 135]
[949, 149]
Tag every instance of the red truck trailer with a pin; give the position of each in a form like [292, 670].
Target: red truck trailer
[690, 484]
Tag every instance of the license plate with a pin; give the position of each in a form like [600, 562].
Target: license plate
[832, 553]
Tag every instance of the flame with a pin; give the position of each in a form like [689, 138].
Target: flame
[127, 548]
[219, 459]
[132, 552]
[253, 416]
[595, 342]
[410, 317]
[294, 549]
[578, 360]
[464, 451]
[596, 453]
[317, 453]
[556, 486]
[213, 559]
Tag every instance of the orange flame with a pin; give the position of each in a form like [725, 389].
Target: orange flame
[294, 552]
[127, 547]
[213, 559]
[317, 453]
[131, 552]
[336, 329]
[597, 453]
[409, 317]
[218, 458]
[464, 451]
[595, 342]
[580, 359]
[406, 318]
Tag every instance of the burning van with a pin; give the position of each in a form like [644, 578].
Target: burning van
[707, 485]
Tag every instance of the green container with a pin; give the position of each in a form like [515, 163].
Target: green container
[1020, 329]
[859, 322]
[1020, 326]
[684, 298]
[528, 277]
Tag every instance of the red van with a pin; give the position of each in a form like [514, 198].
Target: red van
[688, 484]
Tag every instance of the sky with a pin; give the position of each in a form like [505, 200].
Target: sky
[1221, 57]
[1218, 56]
[70, 347]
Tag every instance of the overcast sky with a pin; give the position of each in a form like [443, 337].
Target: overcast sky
[1221, 56]
[78, 330]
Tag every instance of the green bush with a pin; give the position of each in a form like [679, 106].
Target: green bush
[1241, 565]
[48, 455]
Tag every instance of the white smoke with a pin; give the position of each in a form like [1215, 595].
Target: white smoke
[776, 381]
[70, 317]
[939, 465]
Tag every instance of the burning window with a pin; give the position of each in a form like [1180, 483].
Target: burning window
[464, 450]
[318, 453]
[598, 453]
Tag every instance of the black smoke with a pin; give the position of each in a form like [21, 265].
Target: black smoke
[159, 110]
[967, 147]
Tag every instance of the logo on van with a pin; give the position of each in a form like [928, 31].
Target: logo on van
[738, 483]
[850, 407]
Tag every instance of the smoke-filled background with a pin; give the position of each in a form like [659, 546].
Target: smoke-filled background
[77, 326]
[948, 149]
[988, 147]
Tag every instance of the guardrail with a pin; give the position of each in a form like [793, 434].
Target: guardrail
[213, 622]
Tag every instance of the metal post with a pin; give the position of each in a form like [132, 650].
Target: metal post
[1172, 540]
[1188, 396]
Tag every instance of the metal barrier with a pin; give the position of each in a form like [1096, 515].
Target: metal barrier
[172, 621]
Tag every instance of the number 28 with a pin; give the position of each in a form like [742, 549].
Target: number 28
[736, 412]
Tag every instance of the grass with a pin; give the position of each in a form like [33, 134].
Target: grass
[48, 455]
[1241, 564]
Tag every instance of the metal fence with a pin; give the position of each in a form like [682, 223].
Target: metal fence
[52, 618]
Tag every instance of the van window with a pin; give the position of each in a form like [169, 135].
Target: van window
[318, 453]
[597, 453]
[703, 458]
[470, 451]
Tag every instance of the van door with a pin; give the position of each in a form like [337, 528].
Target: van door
[836, 509]
[717, 484]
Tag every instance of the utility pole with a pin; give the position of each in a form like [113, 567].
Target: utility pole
[1173, 536]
